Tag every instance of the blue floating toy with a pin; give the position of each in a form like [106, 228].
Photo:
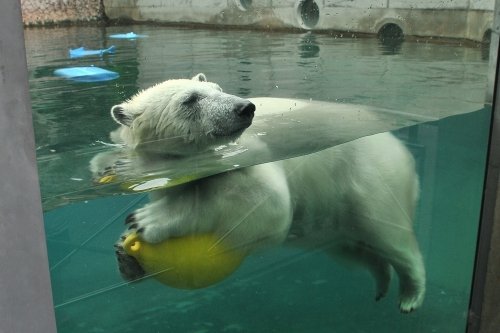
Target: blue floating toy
[82, 52]
[129, 35]
[86, 74]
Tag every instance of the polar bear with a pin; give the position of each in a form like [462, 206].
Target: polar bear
[356, 200]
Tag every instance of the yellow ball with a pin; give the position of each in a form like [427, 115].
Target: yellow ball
[189, 262]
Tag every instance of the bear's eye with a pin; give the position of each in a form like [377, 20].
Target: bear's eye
[191, 99]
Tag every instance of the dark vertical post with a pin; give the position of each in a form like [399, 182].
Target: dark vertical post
[25, 292]
[484, 314]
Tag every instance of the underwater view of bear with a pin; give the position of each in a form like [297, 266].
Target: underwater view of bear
[356, 200]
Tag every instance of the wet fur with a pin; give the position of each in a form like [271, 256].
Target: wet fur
[356, 200]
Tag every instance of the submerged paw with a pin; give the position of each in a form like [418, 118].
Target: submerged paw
[133, 225]
[129, 267]
[411, 302]
[380, 295]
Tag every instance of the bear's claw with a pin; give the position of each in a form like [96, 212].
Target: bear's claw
[130, 218]
[379, 297]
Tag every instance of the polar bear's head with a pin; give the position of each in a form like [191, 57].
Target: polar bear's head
[179, 117]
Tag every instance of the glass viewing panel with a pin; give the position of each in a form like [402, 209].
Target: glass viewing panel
[311, 90]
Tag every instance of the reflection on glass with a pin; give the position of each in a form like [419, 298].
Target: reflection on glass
[308, 46]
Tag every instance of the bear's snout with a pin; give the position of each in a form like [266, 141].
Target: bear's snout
[245, 110]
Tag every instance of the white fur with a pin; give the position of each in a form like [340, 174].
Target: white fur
[178, 117]
[357, 199]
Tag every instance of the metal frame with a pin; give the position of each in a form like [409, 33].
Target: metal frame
[25, 292]
[484, 312]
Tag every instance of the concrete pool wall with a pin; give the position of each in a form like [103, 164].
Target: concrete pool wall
[430, 18]
[43, 12]
[465, 19]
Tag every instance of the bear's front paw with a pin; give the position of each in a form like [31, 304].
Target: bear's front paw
[129, 267]
[149, 227]
[132, 225]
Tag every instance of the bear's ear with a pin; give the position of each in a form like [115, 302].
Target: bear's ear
[200, 77]
[120, 116]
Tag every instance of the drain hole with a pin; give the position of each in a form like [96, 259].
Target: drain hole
[390, 32]
[485, 45]
[243, 4]
[308, 12]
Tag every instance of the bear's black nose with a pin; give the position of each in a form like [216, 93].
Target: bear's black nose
[245, 110]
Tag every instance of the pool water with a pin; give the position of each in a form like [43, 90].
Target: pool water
[283, 289]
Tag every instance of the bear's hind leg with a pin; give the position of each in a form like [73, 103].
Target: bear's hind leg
[409, 266]
[379, 268]
[411, 285]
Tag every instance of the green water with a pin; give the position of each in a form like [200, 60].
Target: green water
[283, 289]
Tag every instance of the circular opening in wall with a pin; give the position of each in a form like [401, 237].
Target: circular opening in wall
[485, 45]
[391, 32]
[487, 37]
[391, 38]
[243, 4]
[308, 13]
